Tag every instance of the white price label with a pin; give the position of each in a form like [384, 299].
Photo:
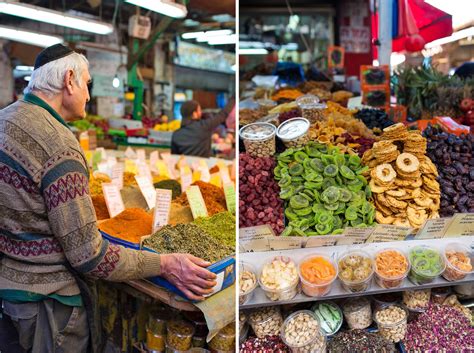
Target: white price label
[147, 189]
[162, 208]
[117, 175]
[141, 155]
[113, 199]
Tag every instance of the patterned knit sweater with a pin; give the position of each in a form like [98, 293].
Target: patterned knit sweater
[46, 213]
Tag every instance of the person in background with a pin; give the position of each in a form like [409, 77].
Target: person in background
[51, 251]
[465, 71]
[194, 136]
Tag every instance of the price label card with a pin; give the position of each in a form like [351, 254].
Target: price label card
[229, 192]
[131, 166]
[141, 155]
[434, 228]
[324, 240]
[144, 170]
[216, 180]
[117, 175]
[355, 236]
[255, 238]
[224, 173]
[162, 208]
[113, 199]
[111, 160]
[462, 224]
[171, 164]
[196, 202]
[186, 177]
[153, 160]
[130, 153]
[354, 102]
[388, 232]
[204, 169]
[103, 167]
[285, 243]
[147, 189]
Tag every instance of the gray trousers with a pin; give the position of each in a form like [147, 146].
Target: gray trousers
[49, 327]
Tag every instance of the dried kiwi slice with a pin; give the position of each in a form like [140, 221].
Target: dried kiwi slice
[341, 209]
[287, 232]
[354, 160]
[327, 159]
[284, 182]
[323, 229]
[357, 222]
[337, 223]
[298, 202]
[317, 165]
[290, 214]
[351, 213]
[331, 206]
[300, 156]
[287, 192]
[331, 194]
[337, 231]
[312, 176]
[313, 185]
[345, 195]
[339, 160]
[362, 170]
[296, 169]
[366, 207]
[312, 150]
[328, 182]
[324, 217]
[331, 170]
[346, 172]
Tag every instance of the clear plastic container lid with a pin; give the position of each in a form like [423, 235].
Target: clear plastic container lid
[257, 131]
[293, 128]
[266, 103]
[355, 305]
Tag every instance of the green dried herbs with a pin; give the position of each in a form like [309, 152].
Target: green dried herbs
[188, 238]
[221, 226]
[170, 184]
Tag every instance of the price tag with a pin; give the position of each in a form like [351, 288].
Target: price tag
[147, 189]
[113, 199]
[130, 153]
[153, 160]
[131, 166]
[117, 175]
[354, 102]
[141, 155]
[162, 208]
[170, 163]
[388, 232]
[324, 240]
[196, 202]
[224, 172]
[355, 236]
[255, 238]
[144, 170]
[216, 180]
[204, 169]
[229, 192]
[103, 167]
[165, 156]
[111, 160]
[462, 224]
[285, 243]
[186, 177]
[434, 228]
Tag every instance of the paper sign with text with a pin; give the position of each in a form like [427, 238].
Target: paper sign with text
[144, 170]
[171, 168]
[117, 175]
[256, 238]
[130, 153]
[388, 232]
[186, 178]
[141, 155]
[196, 202]
[111, 160]
[434, 228]
[153, 160]
[147, 189]
[224, 173]
[285, 243]
[355, 236]
[462, 224]
[324, 240]
[103, 167]
[229, 192]
[113, 199]
[204, 169]
[162, 208]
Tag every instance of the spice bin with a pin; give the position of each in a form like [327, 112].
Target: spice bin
[279, 278]
[459, 259]
[311, 108]
[426, 264]
[259, 139]
[224, 340]
[317, 273]
[391, 268]
[247, 282]
[302, 333]
[294, 132]
[358, 313]
[329, 315]
[266, 321]
[179, 335]
[355, 270]
[391, 321]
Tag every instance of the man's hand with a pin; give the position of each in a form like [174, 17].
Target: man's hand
[188, 274]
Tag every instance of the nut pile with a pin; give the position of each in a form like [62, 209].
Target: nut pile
[248, 116]
[279, 278]
[259, 139]
[247, 283]
[266, 322]
[392, 323]
[416, 299]
[358, 313]
[403, 179]
[301, 332]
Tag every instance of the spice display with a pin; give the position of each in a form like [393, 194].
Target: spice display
[356, 270]
[100, 207]
[279, 278]
[133, 198]
[295, 113]
[294, 132]
[267, 344]
[417, 299]
[453, 156]
[95, 183]
[457, 257]
[180, 214]
[317, 273]
[403, 180]
[213, 196]
[221, 226]
[301, 332]
[358, 313]
[440, 329]
[129, 225]
[329, 315]
[359, 341]
[392, 322]
[391, 268]
[259, 139]
[258, 194]
[169, 184]
[179, 335]
[190, 239]
[426, 264]
[225, 339]
[323, 190]
[129, 179]
[286, 95]
[266, 321]
[247, 282]
[374, 118]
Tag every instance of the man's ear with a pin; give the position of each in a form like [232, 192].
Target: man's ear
[68, 81]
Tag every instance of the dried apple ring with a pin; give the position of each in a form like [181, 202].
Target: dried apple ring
[408, 163]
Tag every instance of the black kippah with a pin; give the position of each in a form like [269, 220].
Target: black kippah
[52, 53]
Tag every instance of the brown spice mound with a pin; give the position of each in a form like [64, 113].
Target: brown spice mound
[214, 198]
[100, 207]
[130, 225]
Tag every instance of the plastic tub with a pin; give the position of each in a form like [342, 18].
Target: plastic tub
[302, 333]
[157, 321]
[179, 335]
[247, 282]
[356, 269]
[266, 321]
[224, 340]
[294, 132]
[259, 139]
[310, 288]
[417, 299]
[279, 278]
[426, 264]
[384, 262]
[459, 259]
[358, 313]
[199, 341]
[392, 321]
[155, 342]
[311, 108]
[330, 319]
[385, 299]
[439, 295]
[266, 103]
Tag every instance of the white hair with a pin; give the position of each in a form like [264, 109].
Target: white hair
[49, 78]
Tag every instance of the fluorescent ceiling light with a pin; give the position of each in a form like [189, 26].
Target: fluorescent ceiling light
[192, 35]
[190, 23]
[41, 14]
[165, 7]
[222, 40]
[464, 33]
[202, 36]
[24, 68]
[251, 51]
[223, 18]
[40, 40]
[27, 78]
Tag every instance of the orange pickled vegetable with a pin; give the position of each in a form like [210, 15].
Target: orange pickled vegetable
[391, 263]
[317, 270]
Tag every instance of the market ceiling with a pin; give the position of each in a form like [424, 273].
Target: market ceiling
[282, 3]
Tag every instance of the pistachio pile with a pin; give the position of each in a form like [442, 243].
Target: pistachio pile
[392, 323]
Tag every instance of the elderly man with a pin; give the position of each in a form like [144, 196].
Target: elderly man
[49, 243]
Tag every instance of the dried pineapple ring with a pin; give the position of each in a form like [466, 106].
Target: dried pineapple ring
[408, 163]
[416, 217]
[424, 201]
[385, 173]
[377, 189]
[380, 218]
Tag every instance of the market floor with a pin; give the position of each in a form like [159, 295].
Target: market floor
[8, 337]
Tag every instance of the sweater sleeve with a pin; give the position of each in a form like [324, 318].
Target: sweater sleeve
[219, 118]
[71, 214]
